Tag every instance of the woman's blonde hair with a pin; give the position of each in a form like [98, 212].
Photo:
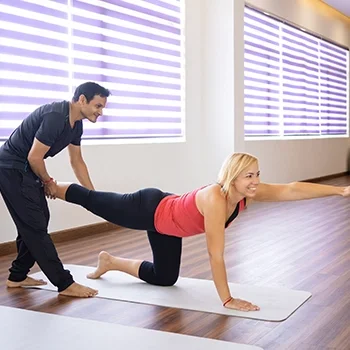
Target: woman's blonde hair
[232, 167]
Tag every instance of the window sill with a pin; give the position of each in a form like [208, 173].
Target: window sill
[294, 138]
[131, 141]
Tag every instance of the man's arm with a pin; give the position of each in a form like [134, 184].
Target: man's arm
[79, 167]
[36, 160]
[37, 164]
[48, 132]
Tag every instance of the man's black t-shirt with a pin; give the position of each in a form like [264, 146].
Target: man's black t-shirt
[50, 125]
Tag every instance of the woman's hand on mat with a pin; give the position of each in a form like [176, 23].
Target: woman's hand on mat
[346, 192]
[51, 189]
[241, 305]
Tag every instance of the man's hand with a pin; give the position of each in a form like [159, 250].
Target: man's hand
[242, 305]
[50, 189]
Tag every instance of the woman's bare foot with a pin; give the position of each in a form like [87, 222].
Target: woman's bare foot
[28, 282]
[104, 265]
[79, 291]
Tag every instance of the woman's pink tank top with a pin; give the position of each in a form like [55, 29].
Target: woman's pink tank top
[179, 216]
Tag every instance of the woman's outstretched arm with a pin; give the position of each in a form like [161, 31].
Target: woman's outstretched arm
[297, 191]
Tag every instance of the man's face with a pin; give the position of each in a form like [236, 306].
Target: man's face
[93, 109]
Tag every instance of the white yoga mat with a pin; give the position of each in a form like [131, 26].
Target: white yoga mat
[276, 304]
[30, 330]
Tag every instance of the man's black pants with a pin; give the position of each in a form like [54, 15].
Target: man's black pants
[25, 199]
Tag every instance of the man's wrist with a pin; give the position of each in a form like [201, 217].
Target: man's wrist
[47, 181]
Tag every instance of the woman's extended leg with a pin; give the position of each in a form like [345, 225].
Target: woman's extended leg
[132, 210]
[164, 271]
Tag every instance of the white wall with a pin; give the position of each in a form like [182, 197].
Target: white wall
[214, 121]
[218, 86]
[222, 62]
[304, 159]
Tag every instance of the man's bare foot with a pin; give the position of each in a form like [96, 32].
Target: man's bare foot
[103, 265]
[28, 282]
[79, 291]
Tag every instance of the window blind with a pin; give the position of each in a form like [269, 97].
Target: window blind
[34, 58]
[133, 48]
[334, 89]
[295, 83]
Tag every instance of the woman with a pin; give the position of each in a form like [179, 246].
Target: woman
[168, 218]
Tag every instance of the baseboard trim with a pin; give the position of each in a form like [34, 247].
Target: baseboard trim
[65, 235]
[328, 177]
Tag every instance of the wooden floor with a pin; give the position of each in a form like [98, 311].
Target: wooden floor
[302, 245]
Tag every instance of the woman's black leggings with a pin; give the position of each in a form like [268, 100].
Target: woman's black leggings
[136, 211]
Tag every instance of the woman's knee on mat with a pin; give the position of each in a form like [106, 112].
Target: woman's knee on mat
[160, 277]
[167, 278]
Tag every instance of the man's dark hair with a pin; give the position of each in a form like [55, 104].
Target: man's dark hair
[90, 90]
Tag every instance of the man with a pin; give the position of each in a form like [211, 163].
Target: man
[24, 182]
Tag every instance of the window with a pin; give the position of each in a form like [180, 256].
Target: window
[133, 48]
[296, 84]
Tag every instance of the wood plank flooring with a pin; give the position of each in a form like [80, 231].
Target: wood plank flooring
[301, 245]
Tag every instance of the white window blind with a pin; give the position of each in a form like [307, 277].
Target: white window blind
[132, 47]
[295, 83]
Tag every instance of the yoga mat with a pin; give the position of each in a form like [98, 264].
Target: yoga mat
[276, 303]
[30, 330]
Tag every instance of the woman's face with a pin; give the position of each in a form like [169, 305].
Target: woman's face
[248, 181]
